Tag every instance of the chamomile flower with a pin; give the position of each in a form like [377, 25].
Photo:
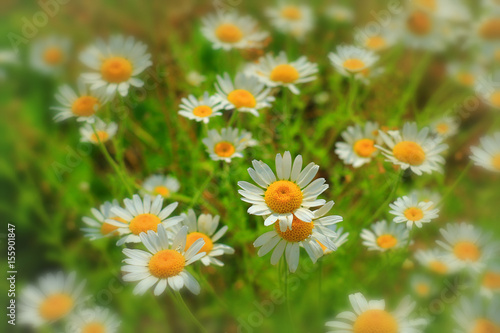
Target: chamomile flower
[247, 94]
[225, 145]
[164, 263]
[308, 235]
[445, 127]
[142, 215]
[195, 79]
[488, 91]
[375, 42]
[230, 31]
[296, 20]
[358, 147]
[490, 281]
[427, 195]
[340, 14]
[383, 236]
[413, 149]
[487, 155]
[200, 109]
[348, 59]
[409, 210]
[246, 139]
[434, 260]
[464, 74]
[476, 315]
[97, 319]
[97, 227]
[52, 299]
[372, 316]
[422, 286]
[116, 64]
[340, 239]
[162, 185]
[286, 196]
[423, 30]
[48, 55]
[103, 131]
[278, 71]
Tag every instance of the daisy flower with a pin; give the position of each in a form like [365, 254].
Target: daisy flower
[286, 196]
[359, 146]
[372, 316]
[308, 235]
[490, 281]
[52, 299]
[434, 261]
[488, 91]
[230, 31]
[426, 195]
[161, 185]
[296, 20]
[475, 315]
[348, 59]
[195, 79]
[411, 211]
[97, 227]
[97, 319]
[464, 74]
[49, 54]
[422, 286]
[278, 71]
[247, 94]
[487, 155]
[105, 131]
[246, 138]
[423, 30]
[142, 215]
[385, 236]
[413, 149]
[164, 263]
[445, 127]
[339, 13]
[375, 42]
[225, 145]
[340, 239]
[116, 64]
[200, 109]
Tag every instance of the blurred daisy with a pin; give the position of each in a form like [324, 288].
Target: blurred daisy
[368, 75]
[464, 74]
[230, 31]
[115, 65]
[286, 196]
[445, 127]
[296, 20]
[95, 320]
[422, 30]
[225, 145]
[164, 263]
[487, 155]
[52, 299]
[488, 91]
[359, 146]
[411, 211]
[352, 59]
[372, 316]
[162, 185]
[385, 236]
[477, 316]
[195, 79]
[200, 109]
[413, 149]
[339, 13]
[490, 281]
[49, 54]
[340, 239]
[434, 260]
[422, 286]
[375, 42]
[247, 94]
[426, 195]
[142, 215]
[7, 57]
[308, 235]
[246, 139]
[103, 131]
[97, 227]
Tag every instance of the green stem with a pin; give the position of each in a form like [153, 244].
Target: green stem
[197, 195]
[233, 118]
[459, 179]
[188, 311]
[383, 207]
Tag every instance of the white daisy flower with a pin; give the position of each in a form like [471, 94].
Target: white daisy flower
[445, 127]
[230, 31]
[411, 211]
[164, 263]
[115, 65]
[105, 131]
[464, 74]
[246, 139]
[142, 215]
[359, 146]
[426, 195]
[247, 94]
[308, 235]
[423, 30]
[97, 320]
[339, 13]
[52, 299]
[161, 185]
[286, 196]
[413, 149]
[385, 236]
[348, 59]
[278, 71]
[296, 20]
[48, 55]
[477, 316]
[434, 260]
[340, 239]
[195, 79]
[97, 227]
[372, 316]
[225, 145]
[200, 109]
[487, 155]
[422, 286]
[490, 281]
[376, 42]
[488, 91]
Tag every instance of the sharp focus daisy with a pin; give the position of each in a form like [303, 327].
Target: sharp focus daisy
[358, 147]
[103, 131]
[116, 64]
[142, 215]
[48, 55]
[161, 185]
[383, 236]
[164, 264]
[445, 127]
[477, 316]
[434, 260]
[200, 109]
[372, 316]
[95, 320]
[409, 210]
[349, 59]
[309, 235]
[97, 227]
[487, 155]
[286, 196]
[296, 20]
[225, 145]
[247, 94]
[413, 149]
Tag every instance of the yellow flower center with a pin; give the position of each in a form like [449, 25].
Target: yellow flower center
[496, 161]
[228, 33]
[442, 128]
[375, 42]
[224, 149]
[162, 190]
[364, 147]
[422, 289]
[491, 280]
[419, 23]
[490, 29]
[143, 223]
[85, 106]
[386, 241]
[414, 214]
[466, 251]
[53, 56]
[116, 70]
[409, 152]
[94, 327]
[300, 230]
[166, 263]
[241, 98]
[485, 326]
[56, 306]
[283, 196]
[438, 267]
[284, 73]
[107, 228]
[427, 4]
[495, 99]
[102, 136]
[467, 79]
[194, 236]
[354, 64]
[202, 111]
[375, 321]
[291, 12]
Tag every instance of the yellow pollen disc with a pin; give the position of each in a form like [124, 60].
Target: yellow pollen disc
[427, 4]
[300, 230]
[102, 135]
[354, 65]
[491, 280]
[291, 12]
[162, 190]
[56, 306]
[107, 228]
[284, 73]
[419, 23]
[386, 241]
[375, 42]
[194, 236]
[438, 267]
[375, 321]
[485, 326]
[409, 152]
[414, 214]
[241, 98]
[490, 29]
[166, 263]
[442, 128]
[495, 99]
[53, 56]
[466, 251]
[143, 223]
[202, 111]
[116, 70]
[224, 149]
[228, 33]
[94, 327]
[422, 289]
[496, 161]
[364, 147]
[283, 196]
[467, 79]
[85, 106]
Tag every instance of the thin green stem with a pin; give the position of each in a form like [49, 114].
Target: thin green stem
[389, 198]
[457, 181]
[188, 311]
[197, 195]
